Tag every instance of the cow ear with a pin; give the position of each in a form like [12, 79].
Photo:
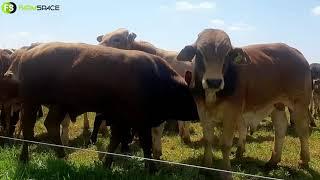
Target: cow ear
[187, 53]
[131, 37]
[99, 38]
[188, 77]
[238, 56]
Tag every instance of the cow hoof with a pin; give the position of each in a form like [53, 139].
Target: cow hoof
[157, 154]
[151, 167]
[239, 153]
[269, 166]
[186, 140]
[24, 158]
[108, 162]
[125, 150]
[61, 154]
[207, 162]
[303, 165]
[91, 142]
[65, 142]
[313, 125]
[226, 176]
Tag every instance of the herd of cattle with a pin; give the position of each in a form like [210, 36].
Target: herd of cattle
[135, 87]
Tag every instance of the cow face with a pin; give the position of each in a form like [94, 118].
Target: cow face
[209, 52]
[120, 38]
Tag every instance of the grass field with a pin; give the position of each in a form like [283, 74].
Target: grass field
[86, 165]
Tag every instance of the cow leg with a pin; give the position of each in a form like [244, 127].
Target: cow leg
[114, 143]
[86, 127]
[28, 120]
[228, 130]
[125, 139]
[52, 123]
[14, 120]
[2, 120]
[242, 129]
[317, 107]
[280, 123]
[97, 122]
[65, 130]
[312, 120]
[184, 131]
[208, 136]
[40, 112]
[301, 118]
[103, 128]
[291, 120]
[156, 141]
[18, 129]
[146, 143]
[7, 110]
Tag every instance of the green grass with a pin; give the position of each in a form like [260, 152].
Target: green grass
[86, 165]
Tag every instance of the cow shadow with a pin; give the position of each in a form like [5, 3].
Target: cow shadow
[249, 165]
[121, 169]
[80, 142]
[250, 139]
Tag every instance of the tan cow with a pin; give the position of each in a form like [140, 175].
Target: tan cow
[238, 85]
[122, 39]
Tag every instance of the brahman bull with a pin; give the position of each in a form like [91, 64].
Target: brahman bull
[238, 85]
[134, 89]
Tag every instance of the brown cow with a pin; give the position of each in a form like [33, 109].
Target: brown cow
[9, 115]
[134, 89]
[315, 70]
[122, 39]
[238, 85]
[315, 101]
[66, 123]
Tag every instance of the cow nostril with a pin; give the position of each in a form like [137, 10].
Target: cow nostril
[214, 83]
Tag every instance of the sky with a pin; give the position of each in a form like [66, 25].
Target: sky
[168, 24]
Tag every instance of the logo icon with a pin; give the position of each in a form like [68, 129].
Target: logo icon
[8, 7]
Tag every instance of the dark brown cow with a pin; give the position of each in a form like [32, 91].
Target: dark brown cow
[315, 102]
[122, 39]
[315, 70]
[134, 89]
[15, 108]
[238, 85]
[9, 113]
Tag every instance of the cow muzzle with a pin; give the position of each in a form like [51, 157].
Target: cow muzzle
[211, 86]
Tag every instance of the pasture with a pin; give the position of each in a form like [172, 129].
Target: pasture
[86, 165]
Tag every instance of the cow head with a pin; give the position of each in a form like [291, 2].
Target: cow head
[209, 52]
[212, 53]
[121, 38]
